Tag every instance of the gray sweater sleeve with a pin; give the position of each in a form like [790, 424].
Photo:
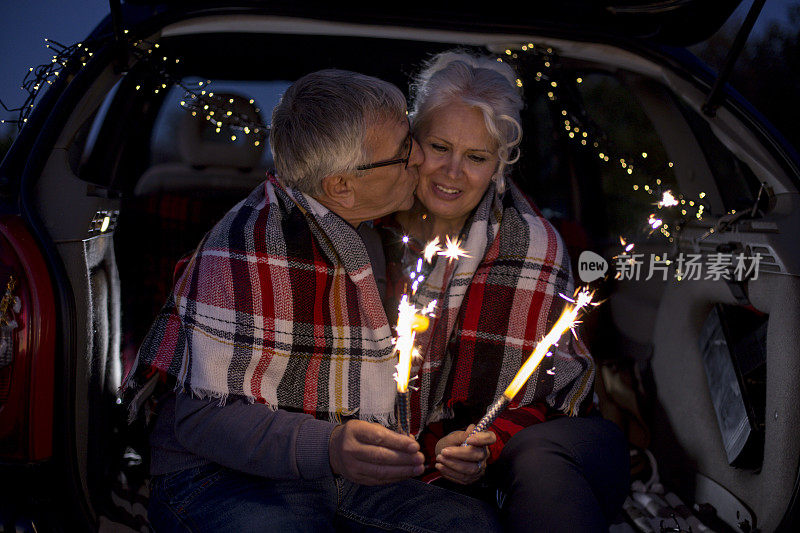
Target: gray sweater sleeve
[252, 438]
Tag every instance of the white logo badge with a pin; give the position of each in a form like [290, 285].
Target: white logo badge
[591, 266]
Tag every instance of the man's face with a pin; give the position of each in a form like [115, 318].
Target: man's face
[384, 190]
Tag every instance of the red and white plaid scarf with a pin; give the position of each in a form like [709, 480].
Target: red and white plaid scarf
[279, 305]
[493, 307]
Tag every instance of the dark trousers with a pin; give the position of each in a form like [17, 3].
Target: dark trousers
[569, 474]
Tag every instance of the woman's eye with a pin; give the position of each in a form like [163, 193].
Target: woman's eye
[477, 158]
[439, 147]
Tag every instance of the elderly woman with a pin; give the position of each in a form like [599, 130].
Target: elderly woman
[557, 470]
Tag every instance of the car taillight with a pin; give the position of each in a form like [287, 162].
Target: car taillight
[27, 346]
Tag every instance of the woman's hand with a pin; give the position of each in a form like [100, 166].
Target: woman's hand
[463, 464]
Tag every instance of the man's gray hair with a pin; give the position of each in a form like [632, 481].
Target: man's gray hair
[478, 81]
[321, 122]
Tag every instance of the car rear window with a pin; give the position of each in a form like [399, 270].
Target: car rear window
[164, 148]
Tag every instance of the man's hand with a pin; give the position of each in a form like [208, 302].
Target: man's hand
[369, 454]
[463, 464]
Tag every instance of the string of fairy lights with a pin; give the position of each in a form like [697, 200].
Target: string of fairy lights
[217, 109]
[580, 129]
[671, 210]
[42, 76]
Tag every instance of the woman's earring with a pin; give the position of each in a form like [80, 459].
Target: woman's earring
[499, 183]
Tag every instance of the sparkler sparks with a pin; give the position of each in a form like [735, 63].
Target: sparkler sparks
[566, 321]
[431, 249]
[668, 200]
[628, 247]
[452, 249]
[410, 320]
[654, 222]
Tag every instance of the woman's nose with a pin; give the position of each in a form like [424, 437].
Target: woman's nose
[452, 167]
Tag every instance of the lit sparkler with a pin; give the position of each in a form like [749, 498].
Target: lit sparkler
[410, 320]
[567, 321]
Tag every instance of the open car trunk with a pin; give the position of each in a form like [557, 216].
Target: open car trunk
[609, 126]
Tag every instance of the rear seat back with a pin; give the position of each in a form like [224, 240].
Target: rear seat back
[175, 203]
[210, 161]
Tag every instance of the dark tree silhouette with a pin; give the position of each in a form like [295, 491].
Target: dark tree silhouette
[5, 144]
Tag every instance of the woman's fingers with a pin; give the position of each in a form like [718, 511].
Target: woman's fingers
[462, 464]
[473, 453]
[460, 471]
[464, 458]
[452, 439]
[483, 438]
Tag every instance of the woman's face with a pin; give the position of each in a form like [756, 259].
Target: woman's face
[460, 160]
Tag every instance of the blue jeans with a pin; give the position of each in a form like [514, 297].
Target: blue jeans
[216, 499]
[568, 474]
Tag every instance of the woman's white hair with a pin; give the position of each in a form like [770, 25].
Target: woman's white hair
[478, 81]
[320, 125]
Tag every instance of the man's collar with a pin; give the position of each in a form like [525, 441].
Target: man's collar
[316, 208]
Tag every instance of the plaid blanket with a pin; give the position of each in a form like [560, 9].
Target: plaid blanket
[279, 305]
[492, 310]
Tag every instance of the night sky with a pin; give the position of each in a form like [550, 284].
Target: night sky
[26, 24]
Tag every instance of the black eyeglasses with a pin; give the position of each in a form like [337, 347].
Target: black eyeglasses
[403, 160]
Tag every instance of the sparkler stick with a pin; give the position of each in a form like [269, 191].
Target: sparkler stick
[566, 321]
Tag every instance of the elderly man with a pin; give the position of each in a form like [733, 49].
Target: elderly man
[275, 332]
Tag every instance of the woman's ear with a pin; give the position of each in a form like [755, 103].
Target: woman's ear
[338, 188]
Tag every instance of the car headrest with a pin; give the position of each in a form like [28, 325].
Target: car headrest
[201, 146]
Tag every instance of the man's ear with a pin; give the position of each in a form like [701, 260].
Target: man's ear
[339, 190]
